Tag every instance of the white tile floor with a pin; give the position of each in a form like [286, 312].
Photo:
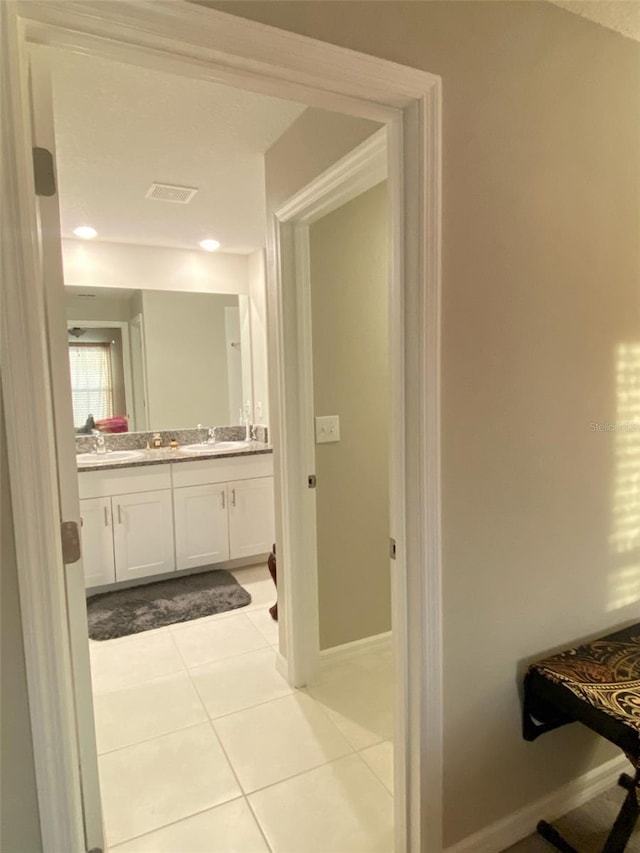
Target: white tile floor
[204, 748]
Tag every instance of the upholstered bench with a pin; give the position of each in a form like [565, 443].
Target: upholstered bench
[597, 684]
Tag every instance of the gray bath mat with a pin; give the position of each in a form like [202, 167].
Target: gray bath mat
[153, 605]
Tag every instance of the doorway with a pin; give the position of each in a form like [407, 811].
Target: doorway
[411, 102]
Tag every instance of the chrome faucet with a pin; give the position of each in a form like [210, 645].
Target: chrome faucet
[246, 423]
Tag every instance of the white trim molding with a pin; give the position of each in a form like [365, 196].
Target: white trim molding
[32, 470]
[292, 391]
[348, 651]
[187, 39]
[513, 828]
[354, 174]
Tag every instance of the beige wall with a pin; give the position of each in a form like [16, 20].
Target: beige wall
[541, 206]
[98, 308]
[185, 346]
[315, 141]
[19, 815]
[349, 293]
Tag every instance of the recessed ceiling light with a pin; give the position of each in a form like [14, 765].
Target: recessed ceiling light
[86, 232]
[209, 245]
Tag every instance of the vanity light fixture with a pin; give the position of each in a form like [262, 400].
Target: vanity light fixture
[85, 232]
[209, 245]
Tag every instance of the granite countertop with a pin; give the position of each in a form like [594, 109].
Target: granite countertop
[163, 455]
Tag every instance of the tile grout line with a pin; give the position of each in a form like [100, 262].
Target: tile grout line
[312, 769]
[218, 660]
[383, 783]
[249, 707]
[239, 783]
[154, 737]
[218, 739]
[260, 827]
[231, 657]
[174, 822]
[144, 681]
[270, 785]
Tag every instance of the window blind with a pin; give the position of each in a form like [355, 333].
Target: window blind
[91, 382]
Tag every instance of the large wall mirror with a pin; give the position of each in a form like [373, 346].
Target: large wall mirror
[161, 359]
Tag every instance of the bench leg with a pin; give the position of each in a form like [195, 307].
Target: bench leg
[621, 831]
[627, 819]
[551, 834]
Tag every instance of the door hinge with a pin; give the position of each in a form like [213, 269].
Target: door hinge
[70, 535]
[311, 480]
[392, 548]
[44, 172]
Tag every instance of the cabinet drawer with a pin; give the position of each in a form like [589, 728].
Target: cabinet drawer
[200, 472]
[125, 481]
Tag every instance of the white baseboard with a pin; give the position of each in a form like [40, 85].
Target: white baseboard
[513, 828]
[336, 654]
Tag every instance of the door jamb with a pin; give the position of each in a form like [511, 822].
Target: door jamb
[216, 46]
[354, 174]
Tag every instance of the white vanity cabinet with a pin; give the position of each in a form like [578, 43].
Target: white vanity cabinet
[224, 509]
[127, 524]
[126, 537]
[150, 520]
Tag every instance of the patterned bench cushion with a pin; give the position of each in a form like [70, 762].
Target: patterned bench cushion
[604, 676]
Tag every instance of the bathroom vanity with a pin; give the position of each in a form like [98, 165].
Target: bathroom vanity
[161, 512]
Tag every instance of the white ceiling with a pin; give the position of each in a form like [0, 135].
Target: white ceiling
[623, 16]
[120, 127]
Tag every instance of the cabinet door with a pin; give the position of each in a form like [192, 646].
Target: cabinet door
[202, 534]
[251, 517]
[97, 542]
[143, 534]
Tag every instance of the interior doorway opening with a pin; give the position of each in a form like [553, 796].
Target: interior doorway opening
[407, 98]
[190, 699]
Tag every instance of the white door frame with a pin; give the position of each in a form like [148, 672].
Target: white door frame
[360, 170]
[137, 323]
[209, 45]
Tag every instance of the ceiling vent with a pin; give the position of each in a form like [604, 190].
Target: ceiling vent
[168, 192]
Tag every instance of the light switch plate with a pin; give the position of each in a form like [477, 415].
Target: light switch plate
[327, 429]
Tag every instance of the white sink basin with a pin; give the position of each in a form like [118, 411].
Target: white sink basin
[109, 456]
[217, 447]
